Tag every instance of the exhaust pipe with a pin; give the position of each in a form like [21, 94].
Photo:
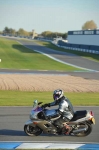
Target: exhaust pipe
[79, 130]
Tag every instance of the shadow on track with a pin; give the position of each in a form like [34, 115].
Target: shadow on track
[12, 132]
[8, 132]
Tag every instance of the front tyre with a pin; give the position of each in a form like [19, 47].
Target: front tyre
[32, 131]
[84, 133]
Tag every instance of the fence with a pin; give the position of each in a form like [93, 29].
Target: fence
[79, 47]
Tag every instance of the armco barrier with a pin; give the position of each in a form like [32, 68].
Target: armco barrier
[85, 48]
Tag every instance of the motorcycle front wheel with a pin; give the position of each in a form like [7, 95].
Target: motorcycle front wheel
[32, 131]
[84, 133]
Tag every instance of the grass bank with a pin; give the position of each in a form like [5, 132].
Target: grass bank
[16, 56]
[20, 98]
[94, 57]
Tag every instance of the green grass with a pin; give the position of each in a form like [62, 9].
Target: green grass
[16, 56]
[94, 57]
[20, 98]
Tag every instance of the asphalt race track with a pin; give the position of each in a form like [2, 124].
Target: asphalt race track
[86, 75]
[12, 121]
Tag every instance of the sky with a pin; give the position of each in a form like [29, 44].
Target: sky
[48, 15]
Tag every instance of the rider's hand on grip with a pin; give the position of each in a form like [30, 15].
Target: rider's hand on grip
[46, 105]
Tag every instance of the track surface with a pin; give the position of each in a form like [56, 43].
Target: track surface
[66, 57]
[12, 121]
[86, 75]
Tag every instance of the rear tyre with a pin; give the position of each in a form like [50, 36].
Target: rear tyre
[32, 131]
[84, 133]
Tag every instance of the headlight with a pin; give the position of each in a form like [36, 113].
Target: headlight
[33, 115]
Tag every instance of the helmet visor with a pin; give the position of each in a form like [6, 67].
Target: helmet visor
[56, 96]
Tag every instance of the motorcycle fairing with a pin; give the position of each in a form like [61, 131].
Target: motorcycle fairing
[47, 127]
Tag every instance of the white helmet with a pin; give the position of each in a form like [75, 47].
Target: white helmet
[57, 94]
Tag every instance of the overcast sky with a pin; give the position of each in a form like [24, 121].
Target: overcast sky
[48, 15]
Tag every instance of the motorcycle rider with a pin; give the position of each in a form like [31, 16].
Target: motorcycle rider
[65, 109]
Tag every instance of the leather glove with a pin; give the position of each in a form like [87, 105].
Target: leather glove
[46, 105]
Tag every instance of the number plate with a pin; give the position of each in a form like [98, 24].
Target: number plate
[93, 120]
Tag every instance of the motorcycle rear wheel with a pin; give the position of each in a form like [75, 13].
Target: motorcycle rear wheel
[85, 133]
[32, 131]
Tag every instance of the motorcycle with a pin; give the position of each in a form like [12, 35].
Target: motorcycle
[42, 121]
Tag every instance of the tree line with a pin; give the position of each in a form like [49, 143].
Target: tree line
[22, 32]
[13, 32]
[46, 34]
[49, 34]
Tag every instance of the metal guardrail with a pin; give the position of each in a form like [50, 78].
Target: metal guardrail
[76, 47]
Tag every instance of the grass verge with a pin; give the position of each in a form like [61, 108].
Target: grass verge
[16, 56]
[20, 98]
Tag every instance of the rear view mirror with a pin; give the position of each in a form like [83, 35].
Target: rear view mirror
[40, 103]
